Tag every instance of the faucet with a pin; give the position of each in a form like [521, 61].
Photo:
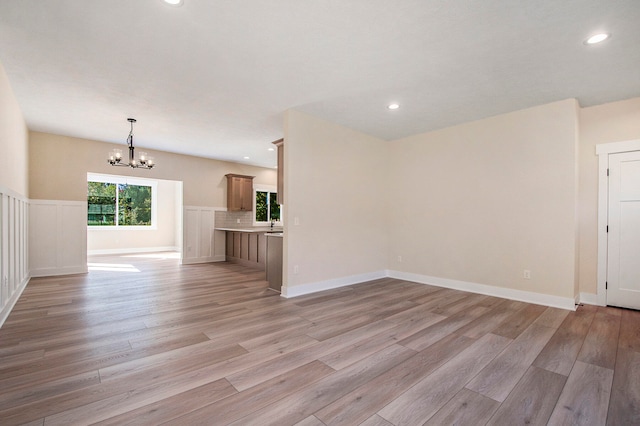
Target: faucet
[271, 224]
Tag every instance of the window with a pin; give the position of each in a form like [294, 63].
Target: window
[267, 208]
[114, 201]
[101, 204]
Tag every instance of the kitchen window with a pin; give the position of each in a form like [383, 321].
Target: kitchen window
[120, 202]
[267, 209]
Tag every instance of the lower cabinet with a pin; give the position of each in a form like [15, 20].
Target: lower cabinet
[247, 248]
[274, 263]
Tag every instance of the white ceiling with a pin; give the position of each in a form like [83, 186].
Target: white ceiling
[213, 77]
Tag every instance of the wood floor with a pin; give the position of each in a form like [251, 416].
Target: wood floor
[142, 340]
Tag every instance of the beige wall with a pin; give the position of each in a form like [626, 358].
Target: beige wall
[612, 122]
[479, 202]
[59, 166]
[13, 141]
[336, 187]
[483, 201]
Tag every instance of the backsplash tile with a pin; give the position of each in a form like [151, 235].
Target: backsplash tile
[224, 219]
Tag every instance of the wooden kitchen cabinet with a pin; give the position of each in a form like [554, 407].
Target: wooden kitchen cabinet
[244, 245]
[239, 192]
[229, 244]
[246, 248]
[274, 262]
[253, 247]
[237, 244]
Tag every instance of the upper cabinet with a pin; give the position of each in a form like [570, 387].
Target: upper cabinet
[239, 192]
[280, 144]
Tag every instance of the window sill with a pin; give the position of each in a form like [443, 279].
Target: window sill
[279, 224]
[122, 228]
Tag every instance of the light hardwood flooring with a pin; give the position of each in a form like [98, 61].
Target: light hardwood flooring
[141, 340]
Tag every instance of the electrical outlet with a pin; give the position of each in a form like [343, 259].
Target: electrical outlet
[527, 274]
[296, 269]
[296, 220]
[400, 259]
[238, 220]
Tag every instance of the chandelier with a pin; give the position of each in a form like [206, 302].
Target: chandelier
[142, 162]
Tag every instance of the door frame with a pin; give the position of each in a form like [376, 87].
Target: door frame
[603, 151]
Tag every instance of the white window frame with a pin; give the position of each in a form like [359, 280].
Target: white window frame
[265, 188]
[127, 180]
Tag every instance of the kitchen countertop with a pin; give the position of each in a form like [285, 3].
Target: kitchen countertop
[257, 229]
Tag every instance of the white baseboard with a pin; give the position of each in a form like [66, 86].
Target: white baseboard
[303, 289]
[589, 299]
[506, 293]
[195, 260]
[132, 250]
[50, 272]
[4, 313]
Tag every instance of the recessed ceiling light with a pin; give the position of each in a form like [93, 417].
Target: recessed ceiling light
[271, 149]
[393, 106]
[597, 38]
[173, 2]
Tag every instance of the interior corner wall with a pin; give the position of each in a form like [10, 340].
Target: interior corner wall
[14, 199]
[482, 202]
[576, 201]
[611, 122]
[335, 209]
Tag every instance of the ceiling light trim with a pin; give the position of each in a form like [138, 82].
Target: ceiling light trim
[174, 3]
[597, 38]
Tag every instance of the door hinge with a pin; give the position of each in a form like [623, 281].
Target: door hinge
[606, 285]
[607, 172]
[607, 228]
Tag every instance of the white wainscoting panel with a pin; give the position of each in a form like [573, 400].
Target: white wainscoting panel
[58, 237]
[201, 243]
[14, 249]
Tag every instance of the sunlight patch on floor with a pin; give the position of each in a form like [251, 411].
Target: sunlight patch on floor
[112, 267]
[162, 255]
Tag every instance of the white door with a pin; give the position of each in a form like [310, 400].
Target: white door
[623, 266]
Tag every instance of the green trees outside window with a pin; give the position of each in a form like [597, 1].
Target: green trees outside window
[101, 199]
[267, 207]
[274, 207]
[134, 205]
[111, 204]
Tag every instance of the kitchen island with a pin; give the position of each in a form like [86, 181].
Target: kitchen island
[248, 246]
